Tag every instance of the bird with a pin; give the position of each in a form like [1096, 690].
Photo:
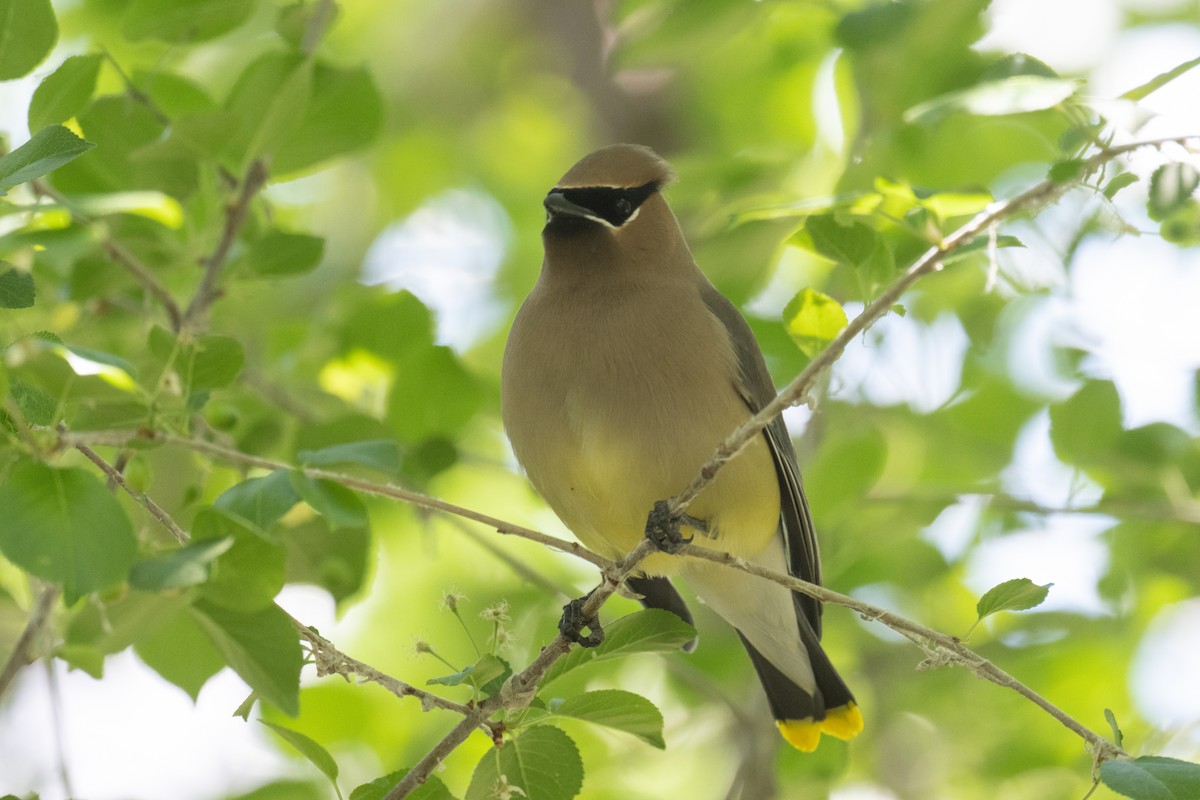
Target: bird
[623, 370]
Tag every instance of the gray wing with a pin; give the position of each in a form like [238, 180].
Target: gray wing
[757, 390]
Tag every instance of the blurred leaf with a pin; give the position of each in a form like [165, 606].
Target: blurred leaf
[28, 31]
[185, 566]
[813, 320]
[1171, 187]
[1017, 594]
[260, 501]
[65, 527]
[613, 708]
[35, 406]
[851, 243]
[16, 288]
[431, 789]
[46, 151]
[483, 672]
[269, 101]
[337, 504]
[379, 454]
[433, 395]
[1118, 738]
[180, 652]
[1152, 778]
[1118, 183]
[648, 631]
[287, 790]
[317, 755]
[62, 93]
[1085, 426]
[542, 762]
[278, 254]
[344, 112]
[1160, 80]
[249, 575]
[1016, 95]
[262, 647]
[183, 20]
[337, 560]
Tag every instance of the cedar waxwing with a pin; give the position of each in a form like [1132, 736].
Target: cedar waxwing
[624, 370]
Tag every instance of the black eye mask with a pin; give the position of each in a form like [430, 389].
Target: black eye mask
[614, 206]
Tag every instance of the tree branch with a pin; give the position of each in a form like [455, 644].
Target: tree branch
[235, 218]
[132, 264]
[23, 651]
[939, 647]
[930, 261]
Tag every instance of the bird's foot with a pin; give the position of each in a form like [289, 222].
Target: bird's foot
[662, 527]
[573, 623]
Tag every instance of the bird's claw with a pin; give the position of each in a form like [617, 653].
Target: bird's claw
[662, 527]
[573, 623]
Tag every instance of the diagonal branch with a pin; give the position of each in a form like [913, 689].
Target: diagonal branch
[931, 261]
[235, 217]
[23, 651]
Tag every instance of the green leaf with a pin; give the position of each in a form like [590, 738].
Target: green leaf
[64, 526]
[542, 762]
[46, 151]
[211, 362]
[36, 406]
[1171, 187]
[378, 454]
[279, 254]
[261, 646]
[813, 320]
[260, 501]
[1066, 171]
[28, 31]
[181, 653]
[64, 92]
[851, 243]
[1016, 95]
[337, 561]
[1111, 719]
[479, 674]
[183, 20]
[269, 100]
[16, 288]
[344, 112]
[433, 395]
[431, 789]
[1152, 778]
[337, 504]
[317, 755]
[1118, 183]
[186, 566]
[1017, 594]
[1085, 426]
[613, 708]
[251, 573]
[651, 630]
[1160, 80]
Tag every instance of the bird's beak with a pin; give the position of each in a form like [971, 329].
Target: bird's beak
[557, 205]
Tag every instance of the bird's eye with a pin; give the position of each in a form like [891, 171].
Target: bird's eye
[624, 206]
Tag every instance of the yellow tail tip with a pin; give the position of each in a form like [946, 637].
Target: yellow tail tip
[844, 722]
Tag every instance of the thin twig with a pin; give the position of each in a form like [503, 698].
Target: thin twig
[328, 659]
[331, 661]
[117, 252]
[940, 647]
[322, 16]
[235, 218]
[519, 689]
[930, 261]
[134, 92]
[23, 652]
[121, 438]
[118, 478]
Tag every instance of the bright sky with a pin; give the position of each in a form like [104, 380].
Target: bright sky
[131, 711]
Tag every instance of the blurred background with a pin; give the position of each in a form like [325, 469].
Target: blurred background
[1032, 415]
